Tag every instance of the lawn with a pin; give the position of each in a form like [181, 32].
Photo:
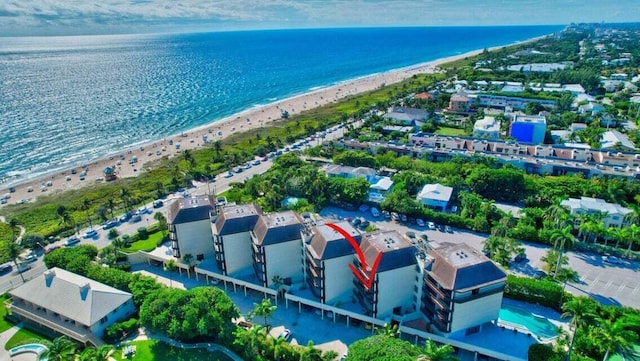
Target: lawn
[151, 350]
[451, 131]
[145, 245]
[23, 337]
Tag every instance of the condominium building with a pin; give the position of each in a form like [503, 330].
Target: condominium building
[190, 226]
[328, 255]
[232, 240]
[393, 286]
[462, 289]
[276, 244]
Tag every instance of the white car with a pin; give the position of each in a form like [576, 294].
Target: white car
[431, 225]
[90, 233]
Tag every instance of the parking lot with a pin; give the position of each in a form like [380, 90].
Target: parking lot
[610, 284]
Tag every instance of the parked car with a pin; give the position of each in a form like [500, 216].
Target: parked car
[386, 214]
[110, 224]
[90, 233]
[363, 223]
[375, 212]
[143, 210]
[125, 217]
[355, 222]
[50, 249]
[395, 216]
[135, 218]
[158, 203]
[228, 174]
[403, 217]
[363, 208]
[431, 225]
[448, 229]
[71, 241]
[31, 257]
[611, 259]
[420, 222]
[23, 267]
[5, 268]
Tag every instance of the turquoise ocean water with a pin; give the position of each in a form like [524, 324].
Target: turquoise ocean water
[67, 100]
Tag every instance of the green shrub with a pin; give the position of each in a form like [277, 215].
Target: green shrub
[539, 352]
[120, 330]
[143, 233]
[530, 290]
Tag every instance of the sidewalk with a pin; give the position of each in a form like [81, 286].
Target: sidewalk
[4, 337]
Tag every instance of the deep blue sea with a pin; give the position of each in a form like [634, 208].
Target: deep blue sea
[66, 100]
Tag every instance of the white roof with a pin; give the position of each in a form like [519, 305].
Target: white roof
[382, 184]
[436, 192]
[613, 137]
[574, 88]
[487, 124]
[595, 205]
[73, 296]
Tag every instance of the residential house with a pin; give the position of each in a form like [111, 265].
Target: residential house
[613, 215]
[529, 129]
[407, 115]
[435, 196]
[327, 256]
[232, 238]
[459, 103]
[487, 127]
[392, 289]
[69, 304]
[462, 289]
[613, 139]
[277, 241]
[342, 171]
[190, 226]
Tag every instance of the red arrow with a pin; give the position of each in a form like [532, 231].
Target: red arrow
[366, 280]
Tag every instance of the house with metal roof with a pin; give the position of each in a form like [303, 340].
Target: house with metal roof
[407, 115]
[71, 305]
[276, 243]
[190, 226]
[462, 289]
[435, 196]
[328, 255]
[232, 240]
[393, 287]
[613, 215]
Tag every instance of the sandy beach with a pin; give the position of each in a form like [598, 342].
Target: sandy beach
[256, 117]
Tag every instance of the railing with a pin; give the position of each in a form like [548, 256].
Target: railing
[84, 338]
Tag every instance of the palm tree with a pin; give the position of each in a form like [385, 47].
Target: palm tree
[111, 205]
[389, 330]
[616, 338]
[278, 346]
[583, 311]
[557, 215]
[65, 217]
[85, 207]
[433, 352]
[634, 236]
[562, 240]
[263, 309]
[170, 266]
[310, 353]
[93, 354]
[60, 349]
[14, 250]
[124, 195]
[117, 244]
[162, 223]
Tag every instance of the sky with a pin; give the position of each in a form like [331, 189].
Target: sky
[79, 17]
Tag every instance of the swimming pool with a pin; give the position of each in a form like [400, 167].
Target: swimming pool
[32, 347]
[537, 325]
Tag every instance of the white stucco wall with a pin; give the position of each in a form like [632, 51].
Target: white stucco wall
[283, 259]
[395, 289]
[195, 238]
[476, 312]
[338, 278]
[123, 312]
[237, 252]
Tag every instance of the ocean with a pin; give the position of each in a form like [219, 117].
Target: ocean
[68, 100]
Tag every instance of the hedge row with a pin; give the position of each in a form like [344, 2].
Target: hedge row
[542, 292]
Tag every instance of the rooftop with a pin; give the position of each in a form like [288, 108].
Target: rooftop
[436, 192]
[460, 267]
[396, 250]
[328, 243]
[72, 296]
[191, 209]
[237, 218]
[278, 227]
[595, 205]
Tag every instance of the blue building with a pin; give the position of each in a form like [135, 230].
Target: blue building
[529, 129]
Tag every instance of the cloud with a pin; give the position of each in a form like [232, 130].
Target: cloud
[91, 16]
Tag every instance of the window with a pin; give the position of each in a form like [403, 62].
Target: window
[475, 291]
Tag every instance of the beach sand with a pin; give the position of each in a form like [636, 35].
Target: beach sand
[216, 130]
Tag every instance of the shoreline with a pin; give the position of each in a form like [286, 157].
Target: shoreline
[256, 116]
